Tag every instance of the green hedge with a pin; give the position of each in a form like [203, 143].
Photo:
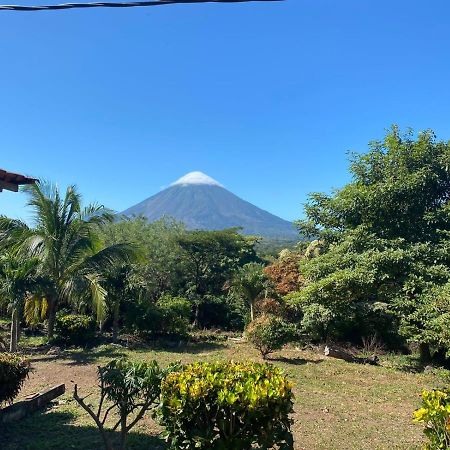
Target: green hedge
[74, 329]
[13, 372]
[226, 406]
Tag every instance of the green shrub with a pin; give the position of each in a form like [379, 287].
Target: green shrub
[435, 414]
[168, 316]
[316, 321]
[269, 333]
[226, 405]
[174, 313]
[220, 311]
[13, 372]
[74, 329]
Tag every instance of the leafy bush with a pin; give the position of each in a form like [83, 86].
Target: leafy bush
[383, 244]
[74, 329]
[226, 405]
[269, 333]
[13, 372]
[174, 313]
[316, 321]
[129, 387]
[226, 312]
[168, 316]
[435, 414]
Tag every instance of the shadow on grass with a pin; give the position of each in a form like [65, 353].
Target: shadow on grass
[78, 357]
[56, 431]
[295, 361]
[180, 346]
[82, 356]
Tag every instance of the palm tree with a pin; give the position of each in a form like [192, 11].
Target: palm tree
[250, 283]
[65, 239]
[18, 279]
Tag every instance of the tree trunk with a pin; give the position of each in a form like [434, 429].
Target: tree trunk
[251, 311]
[116, 320]
[425, 353]
[349, 357]
[105, 437]
[123, 432]
[18, 329]
[197, 315]
[339, 354]
[51, 318]
[14, 321]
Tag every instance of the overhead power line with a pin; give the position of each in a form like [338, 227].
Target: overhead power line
[117, 4]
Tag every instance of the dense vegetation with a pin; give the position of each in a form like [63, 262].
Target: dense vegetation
[376, 269]
[382, 262]
[378, 263]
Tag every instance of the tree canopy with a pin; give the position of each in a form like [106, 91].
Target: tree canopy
[384, 241]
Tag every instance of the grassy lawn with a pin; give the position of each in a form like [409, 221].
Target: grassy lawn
[338, 405]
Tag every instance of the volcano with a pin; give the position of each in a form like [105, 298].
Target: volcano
[201, 202]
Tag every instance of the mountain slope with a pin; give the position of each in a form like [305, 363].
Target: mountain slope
[202, 203]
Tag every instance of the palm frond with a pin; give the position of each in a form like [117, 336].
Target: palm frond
[12, 232]
[112, 255]
[98, 294]
[35, 310]
[96, 214]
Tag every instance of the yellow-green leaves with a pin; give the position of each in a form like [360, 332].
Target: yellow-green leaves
[226, 405]
[435, 415]
[13, 372]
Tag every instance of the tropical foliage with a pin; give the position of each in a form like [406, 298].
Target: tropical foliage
[127, 388]
[13, 372]
[74, 329]
[19, 279]
[66, 242]
[226, 406]
[250, 284]
[284, 272]
[381, 258]
[435, 415]
[377, 263]
[211, 259]
[269, 333]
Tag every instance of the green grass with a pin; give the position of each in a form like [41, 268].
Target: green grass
[338, 405]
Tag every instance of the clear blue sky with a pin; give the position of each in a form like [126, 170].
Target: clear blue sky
[266, 98]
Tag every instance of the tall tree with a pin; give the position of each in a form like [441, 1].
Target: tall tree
[211, 258]
[158, 269]
[65, 239]
[385, 239]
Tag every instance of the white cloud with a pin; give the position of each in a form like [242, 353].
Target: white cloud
[196, 178]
